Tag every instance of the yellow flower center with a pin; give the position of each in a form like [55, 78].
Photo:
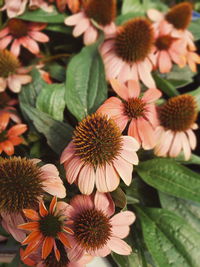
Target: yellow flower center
[8, 63]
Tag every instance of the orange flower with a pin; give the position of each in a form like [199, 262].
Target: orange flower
[10, 138]
[46, 228]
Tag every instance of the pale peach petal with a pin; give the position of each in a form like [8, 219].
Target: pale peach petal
[74, 19]
[176, 145]
[155, 15]
[15, 47]
[114, 67]
[152, 114]
[192, 139]
[151, 95]
[145, 74]
[30, 44]
[81, 202]
[104, 203]
[133, 89]
[164, 62]
[130, 143]
[67, 153]
[3, 84]
[109, 29]
[165, 143]
[123, 218]
[121, 121]
[120, 231]
[73, 168]
[81, 27]
[90, 35]
[130, 156]
[134, 72]
[86, 179]
[14, 84]
[195, 126]
[125, 73]
[185, 146]
[4, 32]
[112, 178]
[120, 89]
[146, 133]
[102, 252]
[5, 41]
[133, 131]
[101, 179]
[106, 46]
[124, 169]
[24, 79]
[39, 36]
[54, 188]
[119, 246]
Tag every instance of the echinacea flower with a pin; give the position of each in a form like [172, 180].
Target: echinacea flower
[128, 55]
[24, 33]
[73, 5]
[133, 109]
[96, 231]
[7, 105]
[10, 137]
[102, 12]
[99, 155]
[34, 4]
[35, 259]
[176, 22]
[177, 122]
[11, 73]
[46, 227]
[14, 8]
[22, 184]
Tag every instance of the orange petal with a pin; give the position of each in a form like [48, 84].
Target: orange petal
[8, 147]
[42, 209]
[31, 214]
[31, 226]
[68, 230]
[31, 247]
[57, 252]
[17, 130]
[4, 119]
[15, 140]
[47, 246]
[53, 204]
[64, 239]
[32, 237]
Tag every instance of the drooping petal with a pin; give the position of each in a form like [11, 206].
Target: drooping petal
[63, 238]
[47, 246]
[124, 169]
[31, 214]
[112, 178]
[86, 179]
[120, 89]
[101, 179]
[119, 246]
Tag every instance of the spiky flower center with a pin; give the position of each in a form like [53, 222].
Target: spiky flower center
[178, 113]
[97, 140]
[51, 260]
[92, 229]
[50, 225]
[8, 63]
[103, 12]
[180, 15]
[164, 42]
[134, 40]
[20, 184]
[18, 28]
[134, 108]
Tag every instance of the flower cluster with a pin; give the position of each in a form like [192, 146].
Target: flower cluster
[65, 213]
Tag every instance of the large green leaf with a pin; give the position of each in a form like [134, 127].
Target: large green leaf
[196, 94]
[194, 159]
[51, 100]
[170, 177]
[58, 134]
[194, 28]
[40, 15]
[169, 238]
[132, 260]
[189, 210]
[165, 86]
[86, 86]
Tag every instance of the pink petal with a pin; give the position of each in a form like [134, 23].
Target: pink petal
[73, 168]
[101, 179]
[152, 115]
[22, 78]
[67, 153]
[74, 19]
[120, 89]
[145, 74]
[192, 139]
[133, 89]
[102, 252]
[125, 73]
[164, 143]
[81, 27]
[39, 36]
[30, 44]
[5, 41]
[164, 62]
[123, 218]
[155, 15]
[146, 133]
[112, 178]
[119, 246]
[129, 143]
[130, 156]
[15, 47]
[4, 32]
[81, 202]
[151, 95]
[176, 146]
[104, 203]
[76, 253]
[124, 169]
[14, 83]
[106, 46]
[86, 179]
[3, 84]
[133, 131]
[120, 231]
[185, 146]
[90, 35]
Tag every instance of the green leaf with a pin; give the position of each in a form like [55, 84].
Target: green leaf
[189, 210]
[196, 94]
[125, 17]
[40, 15]
[194, 28]
[170, 240]
[132, 6]
[58, 134]
[56, 71]
[119, 198]
[194, 159]
[51, 100]
[86, 86]
[59, 28]
[165, 86]
[132, 260]
[179, 77]
[170, 177]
